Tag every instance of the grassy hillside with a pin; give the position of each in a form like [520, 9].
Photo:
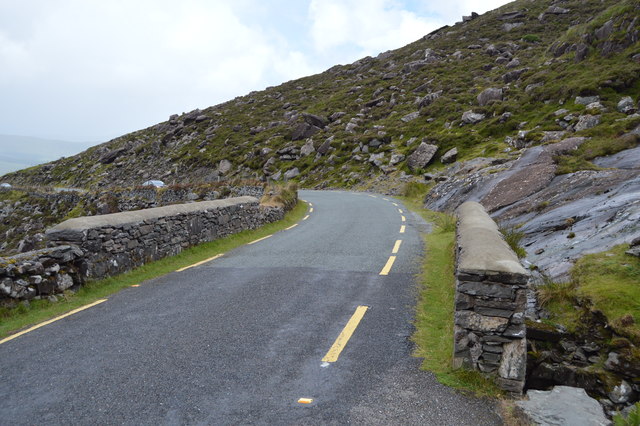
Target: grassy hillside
[541, 55]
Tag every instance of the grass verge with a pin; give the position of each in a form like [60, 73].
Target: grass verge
[15, 319]
[435, 308]
[606, 281]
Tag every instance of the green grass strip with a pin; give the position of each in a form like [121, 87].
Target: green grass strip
[24, 315]
[435, 308]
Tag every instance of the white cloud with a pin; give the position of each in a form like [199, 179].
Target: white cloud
[374, 26]
[95, 69]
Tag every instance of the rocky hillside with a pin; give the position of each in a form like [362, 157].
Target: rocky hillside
[528, 73]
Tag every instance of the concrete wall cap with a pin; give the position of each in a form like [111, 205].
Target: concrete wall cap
[481, 245]
[138, 216]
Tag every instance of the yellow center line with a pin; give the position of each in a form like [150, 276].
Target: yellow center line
[42, 324]
[304, 201]
[372, 196]
[310, 205]
[400, 211]
[291, 227]
[305, 400]
[402, 228]
[200, 263]
[387, 267]
[403, 218]
[396, 247]
[260, 239]
[306, 217]
[395, 204]
[135, 285]
[386, 199]
[345, 335]
[311, 210]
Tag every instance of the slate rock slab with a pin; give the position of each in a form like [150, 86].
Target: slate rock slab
[563, 405]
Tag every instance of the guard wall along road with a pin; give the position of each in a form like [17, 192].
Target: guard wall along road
[490, 299]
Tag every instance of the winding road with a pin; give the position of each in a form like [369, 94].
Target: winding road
[311, 325]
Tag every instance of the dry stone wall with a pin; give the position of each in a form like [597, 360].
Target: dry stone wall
[94, 247]
[489, 329]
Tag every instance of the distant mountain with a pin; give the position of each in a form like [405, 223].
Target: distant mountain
[19, 152]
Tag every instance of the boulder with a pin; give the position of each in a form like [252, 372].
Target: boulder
[307, 148]
[586, 100]
[556, 10]
[513, 75]
[488, 95]
[410, 117]
[470, 117]
[304, 131]
[292, 173]
[626, 105]
[508, 26]
[376, 159]
[551, 407]
[224, 166]
[315, 120]
[587, 121]
[421, 156]
[429, 98]
[396, 158]
[449, 156]
[324, 148]
[621, 394]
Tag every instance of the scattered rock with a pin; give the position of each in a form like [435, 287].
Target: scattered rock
[304, 131]
[449, 156]
[626, 105]
[376, 159]
[410, 117]
[429, 98]
[224, 166]
[556, 10]
[586, 100]
[587, 121]
[307, 148]
[550, 407]
[315, 120]
[508, 26]
[513, 75]
[621, 393]
[421, 156]
[488, 95]
[292, 173]
[396, 158]
[470, 117]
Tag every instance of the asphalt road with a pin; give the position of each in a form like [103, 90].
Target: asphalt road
[241, 339]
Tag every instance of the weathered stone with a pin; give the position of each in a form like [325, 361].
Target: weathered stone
[493, 312]
[292, 173]
[513, 75]
[587, 121]
[621, 393]
[514, 360]
[449, 156]
[410, 117]
[224, 166]
[429, 99]
[488, 95]
[626, 105]
[550, 407]
[470, 117]
[557, 10]
[64, 282]
[396, 158]
[419, 158]
[586, 100]
[307, 148]
[489, 290]
[315, 120]
[304, 131]
[472, 321]
[518, 331]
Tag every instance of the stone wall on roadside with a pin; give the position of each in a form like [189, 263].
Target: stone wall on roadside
[490, 299]
[118, 242]
[94, 247]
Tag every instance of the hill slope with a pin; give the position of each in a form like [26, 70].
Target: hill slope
[354, 122]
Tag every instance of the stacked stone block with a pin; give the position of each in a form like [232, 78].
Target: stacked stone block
[489, 330]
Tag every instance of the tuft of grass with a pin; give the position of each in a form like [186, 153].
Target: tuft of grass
[513, 237]
[416, 190]
[580, 159]
[435, 308]
[633, 419]
[24, 315]
[285, 196]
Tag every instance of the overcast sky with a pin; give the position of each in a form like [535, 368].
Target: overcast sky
[91, 70]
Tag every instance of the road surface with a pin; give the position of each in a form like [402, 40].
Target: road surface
[309, 326]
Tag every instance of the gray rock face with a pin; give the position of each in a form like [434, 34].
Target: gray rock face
[626, 105]
[224, 166]
[290, 174]
[513, 75]
[556, 10]
[587, 121]
[304, 131]
[410, 117]
[488, 95]
[470, 117]
[429, 98]
[449, 156]
[586, 100]
[315, 120]
[307, 148]
[421, 156]
[563, 405]
[376, 159]
[396, 158]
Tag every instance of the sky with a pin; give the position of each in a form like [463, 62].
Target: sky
[92, 70]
